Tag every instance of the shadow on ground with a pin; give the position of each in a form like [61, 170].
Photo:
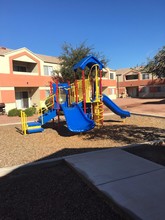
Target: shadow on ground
[50, 191]
[119, 132]
[61, 128]
[155, 102]
[129, 134]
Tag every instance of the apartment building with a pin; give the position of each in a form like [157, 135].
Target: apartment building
[134, 83]
[24, 77]
[109, 83]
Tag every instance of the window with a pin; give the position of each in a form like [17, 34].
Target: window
[112, 91]
[111, 75]
[145, 76]
[158, 89]
[48, 70]
[144, 90]
[163, 89]
[20, 68]
[47, 93]
[131, 77]
[155, 89]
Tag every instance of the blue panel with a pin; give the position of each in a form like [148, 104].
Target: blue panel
[35, 123]
[35, 130]
[88, 61]
[114, 108]
[76, 120]
[47, 116]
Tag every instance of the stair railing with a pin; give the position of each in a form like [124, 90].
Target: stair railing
[49, 103]
[24, 122]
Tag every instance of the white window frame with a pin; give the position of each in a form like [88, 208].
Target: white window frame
[48, 70]
[144, 76]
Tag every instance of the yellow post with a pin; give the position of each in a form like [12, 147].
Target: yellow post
[96, 83]
[23, 122]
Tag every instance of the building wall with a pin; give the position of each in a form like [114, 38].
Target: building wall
[35, 83]
[109, 84]
[4, 65]
[140, 87]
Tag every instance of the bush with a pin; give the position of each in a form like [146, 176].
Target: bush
[34, 110]
[13, 112]
[30, 111]
[17, 112]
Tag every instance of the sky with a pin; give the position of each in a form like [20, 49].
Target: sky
[126, 32]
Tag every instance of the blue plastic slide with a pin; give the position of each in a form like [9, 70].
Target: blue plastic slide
[114, 108]
[76, 120]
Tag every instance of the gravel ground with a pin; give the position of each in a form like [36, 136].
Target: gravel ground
[56, 192]
[55, 142]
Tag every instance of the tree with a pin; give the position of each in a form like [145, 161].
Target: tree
[156, 65]
[70, 56]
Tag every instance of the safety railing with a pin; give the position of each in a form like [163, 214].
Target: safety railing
[24, 122]
[48, 104]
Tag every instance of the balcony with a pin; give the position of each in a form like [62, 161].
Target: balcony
[25, 68]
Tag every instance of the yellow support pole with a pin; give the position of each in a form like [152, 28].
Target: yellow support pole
[96, 83]
[23, 122]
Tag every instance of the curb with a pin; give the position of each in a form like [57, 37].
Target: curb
[147, 115]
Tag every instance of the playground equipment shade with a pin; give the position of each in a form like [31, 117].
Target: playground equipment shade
[76, 120]
[114, 108]
[88, 61]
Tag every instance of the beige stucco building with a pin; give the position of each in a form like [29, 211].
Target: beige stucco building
[24, 77]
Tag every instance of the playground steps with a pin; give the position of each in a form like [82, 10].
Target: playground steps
[34, 127]
[47, 116]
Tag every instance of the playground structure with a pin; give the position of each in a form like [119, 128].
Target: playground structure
[81, 102]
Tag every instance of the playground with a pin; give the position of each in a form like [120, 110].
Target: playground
[42, 183]
[81, 102]
[52, 190]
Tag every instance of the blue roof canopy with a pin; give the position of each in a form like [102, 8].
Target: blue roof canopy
[88, 61]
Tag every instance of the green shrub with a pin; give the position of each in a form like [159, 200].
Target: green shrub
[34, 110]
[13, 112]
[17, 112]
[29, 112]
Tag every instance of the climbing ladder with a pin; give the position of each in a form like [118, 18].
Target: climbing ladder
[98, 113]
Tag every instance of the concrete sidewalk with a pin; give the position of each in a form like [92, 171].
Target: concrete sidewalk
[134, 184]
